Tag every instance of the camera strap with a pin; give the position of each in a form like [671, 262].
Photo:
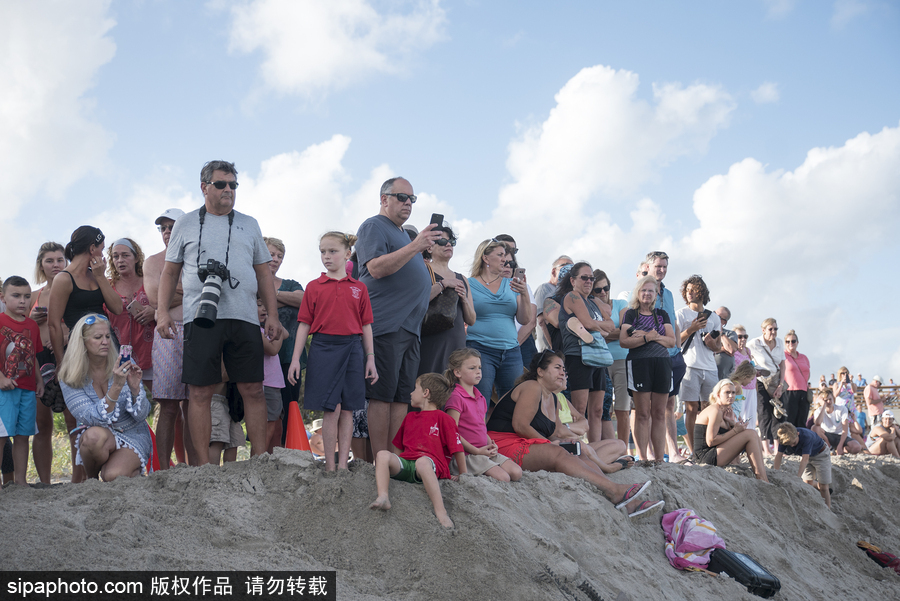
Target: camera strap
[200, 237]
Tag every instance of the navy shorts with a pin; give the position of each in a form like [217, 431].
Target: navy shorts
[397, 362]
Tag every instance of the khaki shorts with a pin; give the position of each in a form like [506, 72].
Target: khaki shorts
[619, 376]
[223, 429]
[818, 468]
[478, 464]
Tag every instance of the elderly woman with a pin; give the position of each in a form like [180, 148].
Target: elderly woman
[587, 384]
[435, 348]
[748, 409]
[50, 261]
[768, 355]
[719, 437]
[526, 419]
[106, 397]
[135, 325]
[796, 375]
[647, 334]
[499, 302]
[289, 295]
[78, 291]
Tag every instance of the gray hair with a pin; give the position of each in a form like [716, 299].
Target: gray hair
[726, 310]
[388, 186]
[634, 302]
[211, 166]
[653, 256]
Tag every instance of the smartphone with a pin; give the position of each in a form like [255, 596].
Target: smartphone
[704, 314]
[519, 273]
[134, 307]
[437, 219]
[124, 353]
[572, 447]
[40, 309]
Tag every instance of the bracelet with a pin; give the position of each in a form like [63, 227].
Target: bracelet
[645, 339]
[367, 354]
[109, 398]
[441, 283]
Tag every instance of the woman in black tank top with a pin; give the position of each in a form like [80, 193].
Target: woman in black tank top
[79, 289]
[526, 418]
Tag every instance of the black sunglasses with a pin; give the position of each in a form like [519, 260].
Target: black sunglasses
[445, 242]
[601, 289]
[402, 198]
[586, 278]
[743, 337]
[220, 184]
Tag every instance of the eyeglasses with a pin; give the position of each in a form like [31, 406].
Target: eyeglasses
[445, 242]
[402, 198]
[586, 278]
[743, 337]
[166, 227]
[220, 184]
[92, 319]
[791, 341]
[601, 290]
[644, 273]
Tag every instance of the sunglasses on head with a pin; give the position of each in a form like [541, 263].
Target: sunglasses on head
[92, 319]
[402, 198]
[601, 289]
[445, 242]
[510, 249]
[220, 184]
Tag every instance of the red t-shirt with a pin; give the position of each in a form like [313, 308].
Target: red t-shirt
[336, 307]
[429, 434]
[129, 331]
[21, 341]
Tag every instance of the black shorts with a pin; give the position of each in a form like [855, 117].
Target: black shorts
[397, 362]
[834, 439]
[237, 343]
[679, 368]
[584, 377]
[650, 374]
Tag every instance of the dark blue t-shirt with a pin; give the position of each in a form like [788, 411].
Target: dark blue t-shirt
[809, 444]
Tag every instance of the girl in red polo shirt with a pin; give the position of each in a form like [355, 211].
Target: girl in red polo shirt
[337, 312]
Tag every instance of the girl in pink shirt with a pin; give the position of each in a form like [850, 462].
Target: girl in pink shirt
[467, 406]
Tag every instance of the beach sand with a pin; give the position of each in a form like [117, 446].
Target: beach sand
[546, 537]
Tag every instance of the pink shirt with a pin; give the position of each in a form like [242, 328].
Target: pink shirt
[739, 358]
[873, 401]
[471, 415]
[796, 371]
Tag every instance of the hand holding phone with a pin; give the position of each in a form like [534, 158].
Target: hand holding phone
[519, 274]
[572, 447]
[124, 353]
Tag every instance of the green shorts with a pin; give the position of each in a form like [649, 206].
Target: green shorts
[407, 471]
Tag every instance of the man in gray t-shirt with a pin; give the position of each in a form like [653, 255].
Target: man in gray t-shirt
[392, 268]
[217, 232]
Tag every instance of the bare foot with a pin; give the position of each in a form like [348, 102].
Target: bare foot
[445, 520]
[383, 504]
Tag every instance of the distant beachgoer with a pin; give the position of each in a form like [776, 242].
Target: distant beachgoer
[884, 439]
[832, 422]
[426, 439]
[845, 396]
[526, 418]
[795, 399]
[719, 437]
[815, 460]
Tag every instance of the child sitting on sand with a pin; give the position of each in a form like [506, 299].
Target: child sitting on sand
[815, 460]
[427, 438]
[467, 406]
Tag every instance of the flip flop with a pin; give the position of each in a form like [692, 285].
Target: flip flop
[576, 327]
[624, 460]
[631, 493]
[646, 507]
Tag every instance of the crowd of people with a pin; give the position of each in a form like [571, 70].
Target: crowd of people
[499, 379]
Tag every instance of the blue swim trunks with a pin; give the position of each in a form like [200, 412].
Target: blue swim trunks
[17, 412]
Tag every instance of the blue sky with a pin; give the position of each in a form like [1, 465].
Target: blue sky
[758, 142]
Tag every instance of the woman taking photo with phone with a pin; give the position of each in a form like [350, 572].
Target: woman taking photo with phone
[135, 325]
[104, 393]
[498, 302]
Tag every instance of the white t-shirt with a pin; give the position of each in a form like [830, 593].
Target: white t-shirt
[698, 355]
[833, 423]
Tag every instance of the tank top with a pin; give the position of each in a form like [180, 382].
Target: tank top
[501, 418]
[80, 303]
[570, 342]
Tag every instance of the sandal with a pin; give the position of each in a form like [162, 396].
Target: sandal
[624, 460]
[633, 491]
[646, 507]
[576, 327]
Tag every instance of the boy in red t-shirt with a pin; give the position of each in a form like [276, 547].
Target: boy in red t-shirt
[20, 375]
[427, 439]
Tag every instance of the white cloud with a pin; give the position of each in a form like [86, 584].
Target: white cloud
[311, 47]
[847, 10]
[779, 8]
[766, 93]
[49, 59]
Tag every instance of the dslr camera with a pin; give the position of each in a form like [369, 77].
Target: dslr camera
[212, 275]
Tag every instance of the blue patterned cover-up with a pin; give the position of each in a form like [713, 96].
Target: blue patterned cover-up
[128, 421]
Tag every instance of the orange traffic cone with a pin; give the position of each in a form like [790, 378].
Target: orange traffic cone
[296, 432]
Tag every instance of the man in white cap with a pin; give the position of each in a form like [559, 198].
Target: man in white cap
[168, 354]
[883, 439]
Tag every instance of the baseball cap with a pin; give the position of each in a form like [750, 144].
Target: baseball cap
[888, 413]
[172, 214]
[877, 379]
